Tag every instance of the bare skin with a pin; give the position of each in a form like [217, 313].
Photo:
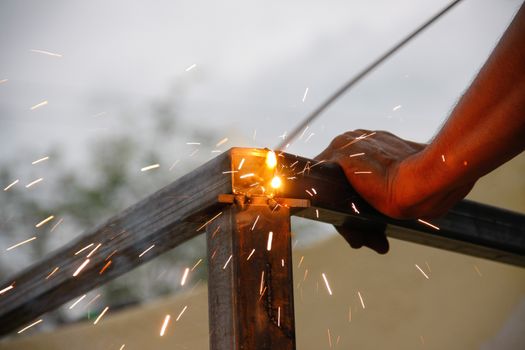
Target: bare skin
[408, 180]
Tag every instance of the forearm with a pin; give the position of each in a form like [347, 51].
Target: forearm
[487, 127]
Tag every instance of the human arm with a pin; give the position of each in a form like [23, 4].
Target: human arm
[406, 180]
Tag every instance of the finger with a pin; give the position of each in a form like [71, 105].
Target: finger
[371, 235]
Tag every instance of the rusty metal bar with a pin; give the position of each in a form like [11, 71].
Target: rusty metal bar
[250, 284]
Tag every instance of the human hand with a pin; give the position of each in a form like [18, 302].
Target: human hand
[392, 175]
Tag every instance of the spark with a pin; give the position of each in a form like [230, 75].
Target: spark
[38, 105]
[300, 262]
[326, 283]
[94, 250]
[104, 268]
[465, 163]
[249, 256]
[164, 325]
[221, 142]
[305, 93]
[209, 221]
[149, 167]
[279, 316]
[193, 143]
[362, 172]
[19, 244]
[349, 313]
[310, 193]
[357, 154]
[31, 325]
[423, 272]
[56, 225]
[241, 163]
[475, 268]
[11, 184]
[246, 175]
[227, 262]
[101, 314]
[443, 158]
[184, 276]
[194, 152]
[147, 250]
[173, 165]
[77, 301]
[46, 220]
[329, 338]
[122, 347]
[304, 131]
[86, 247]
[216, 151]
[269, 243]
[359, 138]
[230, 172]
[309, 137]
[110, 255]
[40, 160]
[282, 262]
[191, 67]
[355, 208]
[317, 213]
[34, 182]
[81, 267]
[396, 108]
[428, 266]
[92, 300]
[361, 298]
[428, 224]
[255, 222]
[314, 191]
[8, 288]
[196, 264]
[180, 314]
[262, 283]
[44, 52]
[305, 274]
[52, 272]
[283, 136]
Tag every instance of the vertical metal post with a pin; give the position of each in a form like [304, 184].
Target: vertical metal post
[250, 282]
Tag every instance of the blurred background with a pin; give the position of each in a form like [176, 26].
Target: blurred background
[91, 92]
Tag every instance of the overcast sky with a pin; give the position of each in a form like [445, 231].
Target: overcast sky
[254, 61]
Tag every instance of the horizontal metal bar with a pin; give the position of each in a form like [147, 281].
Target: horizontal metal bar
[469, 227]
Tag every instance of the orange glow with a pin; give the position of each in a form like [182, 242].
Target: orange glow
[271, 159]
[276, 182]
